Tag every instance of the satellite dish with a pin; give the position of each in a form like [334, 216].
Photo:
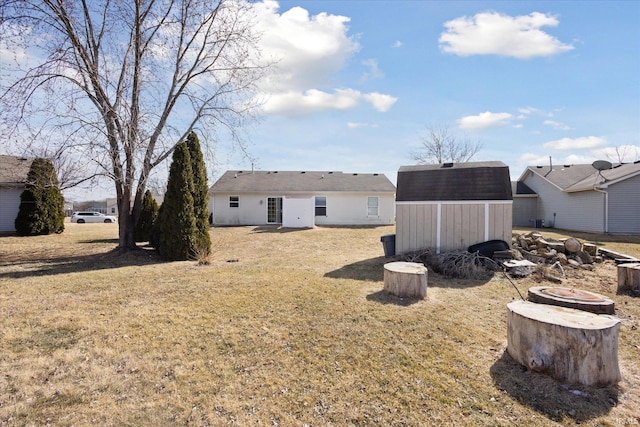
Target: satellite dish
[602, 165]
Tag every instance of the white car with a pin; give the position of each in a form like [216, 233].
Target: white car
[82, 217]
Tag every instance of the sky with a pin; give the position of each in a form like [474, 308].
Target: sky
[358, 83]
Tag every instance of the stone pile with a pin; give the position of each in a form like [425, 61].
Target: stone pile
[569, 252]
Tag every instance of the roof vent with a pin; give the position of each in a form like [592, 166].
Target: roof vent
[330, 173]
[567, 166]
[355, 174]
[303, 172]
[636, 162]
[375, 174]
[447, 165]
[235, 175]
[239, 171]
[539, 167]
[275, 171]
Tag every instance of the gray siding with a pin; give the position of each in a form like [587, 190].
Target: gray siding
[624, 206]
[9, 205]
[524, 211]
[581, 211]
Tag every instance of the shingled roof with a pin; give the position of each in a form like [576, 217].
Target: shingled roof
[574, 178]
[14, 170]
[241, 181]
[454, 181]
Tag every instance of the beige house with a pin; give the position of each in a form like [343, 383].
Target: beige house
[301, 199]
[452, 206]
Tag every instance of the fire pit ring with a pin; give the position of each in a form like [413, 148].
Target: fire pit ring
[572, 298]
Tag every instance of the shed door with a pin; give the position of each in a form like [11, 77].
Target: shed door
[274, 210]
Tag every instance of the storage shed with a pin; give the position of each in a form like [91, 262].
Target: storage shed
[452, 206]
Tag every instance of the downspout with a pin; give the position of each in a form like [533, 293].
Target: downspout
[606, 208]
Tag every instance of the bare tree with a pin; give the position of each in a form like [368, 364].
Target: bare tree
[625, 153]
[440, 145]
[122, 82]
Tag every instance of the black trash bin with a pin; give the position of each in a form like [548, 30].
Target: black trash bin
[389, 244]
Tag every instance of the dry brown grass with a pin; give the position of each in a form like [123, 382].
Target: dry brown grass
[294, 330]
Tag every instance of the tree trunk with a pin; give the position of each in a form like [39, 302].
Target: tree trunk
[629, 277]
[405, 279]
[572, 298]
[572, 346]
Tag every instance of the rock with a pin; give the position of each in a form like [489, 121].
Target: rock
[562, 258]
[585, 257]
[573, 263]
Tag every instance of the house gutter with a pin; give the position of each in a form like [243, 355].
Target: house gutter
[606, 208]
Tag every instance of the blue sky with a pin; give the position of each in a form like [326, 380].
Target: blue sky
[358, 82]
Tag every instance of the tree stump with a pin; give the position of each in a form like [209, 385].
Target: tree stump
[629, 277]
[405, 279]
[572, 298]
[572, 346]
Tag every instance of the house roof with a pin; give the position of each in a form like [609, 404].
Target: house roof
[574, 178]
[240, 181]
[519, 188]
[454, 181]
[14, 170]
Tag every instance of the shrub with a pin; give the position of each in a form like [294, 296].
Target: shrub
[41, 203]
[200, 196]
[148, 215]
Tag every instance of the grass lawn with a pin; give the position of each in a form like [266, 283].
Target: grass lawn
[283, 327]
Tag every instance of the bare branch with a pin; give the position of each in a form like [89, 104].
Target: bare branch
[441, 146]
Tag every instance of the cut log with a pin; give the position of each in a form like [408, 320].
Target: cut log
[572, 346]
[572, 245]
[405, 279]
[572, 298]
[590, 248]
[629, 277]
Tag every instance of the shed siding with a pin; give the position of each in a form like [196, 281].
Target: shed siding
[461, 224]
[9, 205]
[581, 211]
[624, 206]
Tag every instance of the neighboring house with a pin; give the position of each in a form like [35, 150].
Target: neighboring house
[301, 199]
[13, 177]
[452, 206]
[582, 198]
[525, 206]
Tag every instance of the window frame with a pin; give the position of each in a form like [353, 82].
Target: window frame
[377, 206]
[234, 201]
[320, 207]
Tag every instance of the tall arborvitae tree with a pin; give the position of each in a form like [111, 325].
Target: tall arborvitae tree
[177, 230]
[148, 215]
[200, 195]
[41, 203]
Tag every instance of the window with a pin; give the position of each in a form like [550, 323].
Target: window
[372, 206]
[234, 201]
[321, 206]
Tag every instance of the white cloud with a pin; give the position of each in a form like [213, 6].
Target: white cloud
[313, 100]
[581, 143]
[397, 44]
[380, 101]
[484, 120]
[310, 50]
[374, 71]
[556, 125]
[356, 125]
[492, 33]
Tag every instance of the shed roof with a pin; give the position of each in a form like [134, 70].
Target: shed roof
[454, 181]
[574, 178]
[14, 170]
[241, 181]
